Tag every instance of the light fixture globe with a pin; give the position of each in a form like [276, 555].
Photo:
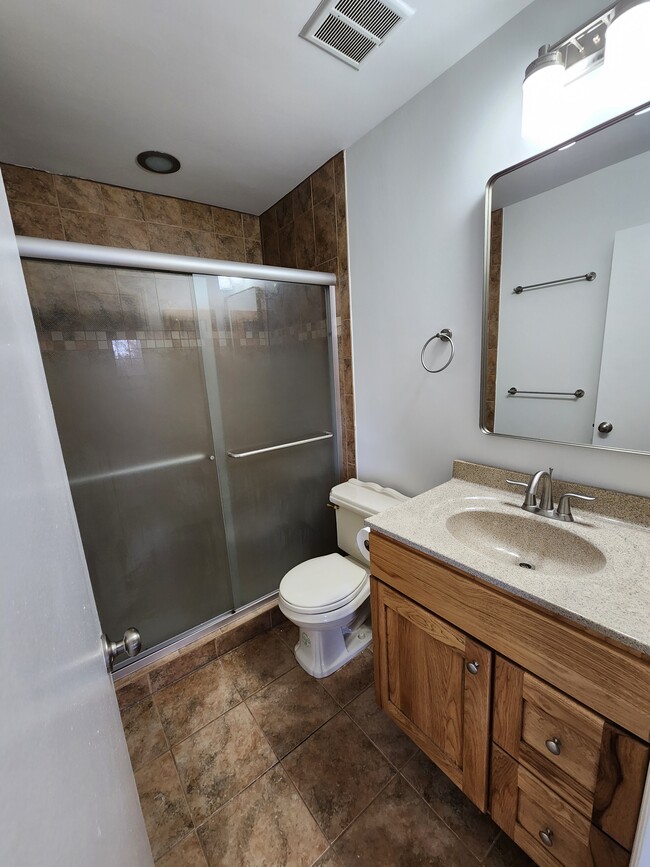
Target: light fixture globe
[158, 162]
[627, 54]
[542, 119]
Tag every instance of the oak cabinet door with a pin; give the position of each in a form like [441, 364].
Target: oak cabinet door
[435, 683]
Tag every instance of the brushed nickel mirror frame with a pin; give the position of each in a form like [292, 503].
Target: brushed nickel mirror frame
[486, 281]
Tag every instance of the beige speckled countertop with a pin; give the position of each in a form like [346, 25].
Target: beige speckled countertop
[607, 589]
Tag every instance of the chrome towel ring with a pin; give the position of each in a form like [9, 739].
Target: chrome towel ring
[445, 334]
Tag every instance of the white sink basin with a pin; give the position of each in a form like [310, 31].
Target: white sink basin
[529, 542]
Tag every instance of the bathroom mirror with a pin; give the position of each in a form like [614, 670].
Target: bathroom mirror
[566, 332]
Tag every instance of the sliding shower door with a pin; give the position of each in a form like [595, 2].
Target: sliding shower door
[268, 365]
[123, 365]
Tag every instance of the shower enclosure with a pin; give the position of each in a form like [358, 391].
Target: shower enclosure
[197, 407]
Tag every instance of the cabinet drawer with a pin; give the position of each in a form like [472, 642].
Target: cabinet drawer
[543, 824]
[596, 768]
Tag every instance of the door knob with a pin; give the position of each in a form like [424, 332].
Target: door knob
[473, 667]
[131, 644]
[605, 427]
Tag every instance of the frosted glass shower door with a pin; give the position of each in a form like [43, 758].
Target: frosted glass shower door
[123, 365]
[268, 370]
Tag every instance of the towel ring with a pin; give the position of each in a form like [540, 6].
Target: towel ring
[445, 334]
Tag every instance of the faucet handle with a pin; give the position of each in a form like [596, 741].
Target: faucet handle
[530, 501]
[563, 511]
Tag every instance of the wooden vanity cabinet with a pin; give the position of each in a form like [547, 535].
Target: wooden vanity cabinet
[435, 682]
[542, 724]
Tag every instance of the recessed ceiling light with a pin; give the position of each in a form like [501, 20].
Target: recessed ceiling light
[158, 162]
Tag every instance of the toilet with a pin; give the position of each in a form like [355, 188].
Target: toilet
[328, 597]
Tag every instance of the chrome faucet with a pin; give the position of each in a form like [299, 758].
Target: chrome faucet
[546, 507]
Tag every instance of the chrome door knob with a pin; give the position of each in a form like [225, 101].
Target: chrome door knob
[605, 427]
[473, 667]
[131, 644]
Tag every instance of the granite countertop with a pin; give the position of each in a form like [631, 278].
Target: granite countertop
[607, 590]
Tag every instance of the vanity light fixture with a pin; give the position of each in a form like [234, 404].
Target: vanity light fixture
[603, 68]
[158, 162]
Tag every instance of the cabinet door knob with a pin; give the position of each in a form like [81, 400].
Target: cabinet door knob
[546, 836]
[605, 427]
[473, 667]
[553, 745]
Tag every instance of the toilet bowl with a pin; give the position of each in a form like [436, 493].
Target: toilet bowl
[328, 597]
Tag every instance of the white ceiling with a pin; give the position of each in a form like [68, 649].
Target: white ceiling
[248, 107]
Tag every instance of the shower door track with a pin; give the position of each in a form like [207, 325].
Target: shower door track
[94, 254]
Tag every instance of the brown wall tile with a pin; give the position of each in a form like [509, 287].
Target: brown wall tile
[162, 209]
[86, 228]
[251, 225]
[230, 248]
[120, 202]
[37, 221]
[29, 185]
[79, 195]
[254, 252]
[318, 234]
[227, 222]
[194, 215]
[182, 242]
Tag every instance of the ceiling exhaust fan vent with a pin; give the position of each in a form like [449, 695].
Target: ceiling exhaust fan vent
[351, 29]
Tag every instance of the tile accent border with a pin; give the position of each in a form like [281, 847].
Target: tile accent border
[612, 504]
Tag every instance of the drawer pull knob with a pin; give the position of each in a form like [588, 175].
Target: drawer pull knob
[554, 746]
[473, 667]
[546, 836]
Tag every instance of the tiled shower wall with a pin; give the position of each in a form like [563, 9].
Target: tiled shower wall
[61, 208]
[307, 229]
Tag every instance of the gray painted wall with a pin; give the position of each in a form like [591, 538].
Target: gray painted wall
[416, 196]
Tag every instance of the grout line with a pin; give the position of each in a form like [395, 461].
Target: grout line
[438, 816]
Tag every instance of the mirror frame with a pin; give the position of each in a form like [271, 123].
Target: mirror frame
[486, 282]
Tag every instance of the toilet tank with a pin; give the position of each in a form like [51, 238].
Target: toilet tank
[357, 501]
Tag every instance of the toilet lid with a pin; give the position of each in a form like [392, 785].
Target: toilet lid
[322, 584]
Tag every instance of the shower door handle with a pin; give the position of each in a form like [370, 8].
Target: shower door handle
[131, 644]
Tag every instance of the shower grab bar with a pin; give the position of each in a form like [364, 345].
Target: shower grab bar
[325, 435]
[588, 277]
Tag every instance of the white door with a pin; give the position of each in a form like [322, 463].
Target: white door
[623, 389]
[67, 791]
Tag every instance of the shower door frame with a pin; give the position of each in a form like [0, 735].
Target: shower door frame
[95, 254]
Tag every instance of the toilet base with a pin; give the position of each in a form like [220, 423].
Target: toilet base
[321, 652]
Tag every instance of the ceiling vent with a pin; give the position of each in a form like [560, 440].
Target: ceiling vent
[351, 29]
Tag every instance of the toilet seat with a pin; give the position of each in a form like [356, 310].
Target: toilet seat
[323, 584]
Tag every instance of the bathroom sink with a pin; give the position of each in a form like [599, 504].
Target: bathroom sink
[531, 543]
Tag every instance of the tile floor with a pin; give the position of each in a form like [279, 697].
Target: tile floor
[249, 762]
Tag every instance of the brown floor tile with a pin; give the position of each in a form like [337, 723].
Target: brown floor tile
[290, 709]
[134, 691]
[163, 806]
[346, 683]
[145, 737]
[382, 731]
[399, 829]
[181, 665]
[233, 636]
[258, 662]
[221, 759]
[266, 824]
[338, 772]
[194, 701]
[287, 632]
[187, 853]
[506, 853]
[329, 859]
[474, 828]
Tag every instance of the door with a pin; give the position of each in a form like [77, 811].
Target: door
[67, 791]
[268, 366]
[626, 348]
[123, 367]
[435, 682]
